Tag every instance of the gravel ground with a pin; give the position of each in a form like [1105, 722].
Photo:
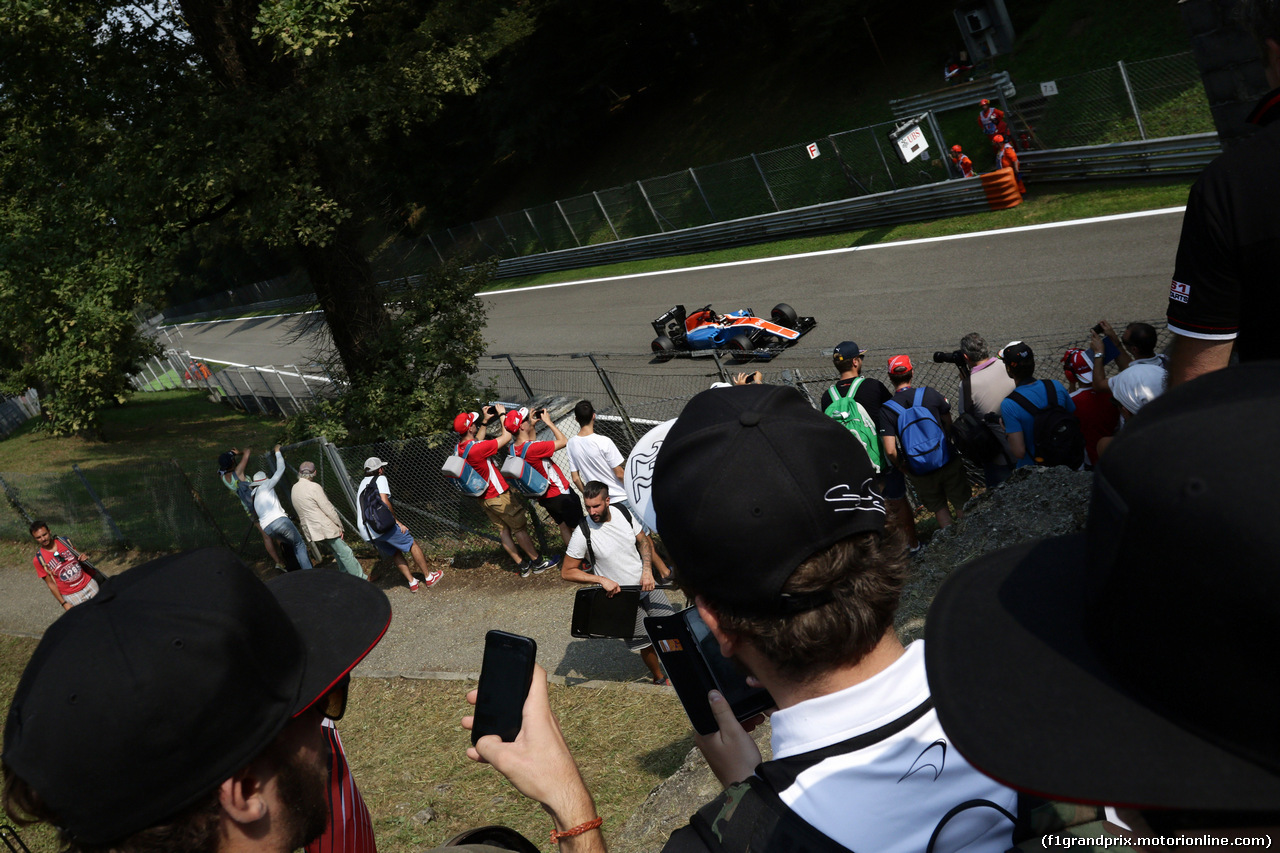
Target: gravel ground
[437, 632]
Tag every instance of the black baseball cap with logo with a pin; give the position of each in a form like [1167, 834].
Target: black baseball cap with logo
[750, 482]
[143, 699]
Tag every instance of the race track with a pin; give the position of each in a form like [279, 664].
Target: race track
[1006, 284]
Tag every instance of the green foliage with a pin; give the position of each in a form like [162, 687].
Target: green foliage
[426, 357]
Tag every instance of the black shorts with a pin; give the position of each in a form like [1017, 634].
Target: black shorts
[564, 508]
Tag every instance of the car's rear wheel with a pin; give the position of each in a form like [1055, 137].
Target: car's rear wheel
[784, 315]
[663, 348]
[740, 343]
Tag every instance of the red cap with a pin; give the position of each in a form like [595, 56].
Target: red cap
[956, 148]
[512, 419]
[998, 139]
[984, 103]
[464, 420]
[899, 365]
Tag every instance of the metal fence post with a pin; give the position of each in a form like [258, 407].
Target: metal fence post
[724, 374]
[340, 471]
[767, 188]
[1133, 101]
[613, 397]
[296, 407]
[876, 139]
[568, 224]
[844, 167]
[524, 386]
[698, 184]
[305, 383]
[536, 232]
[942, 145]
[606, 215]
[645, 195]
[248, 386]
[266, 387]
[435, 248]
[102, 510]
[200, 504]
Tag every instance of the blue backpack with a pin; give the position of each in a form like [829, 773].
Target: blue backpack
[523, 477]
[465, 478]
[920, 437]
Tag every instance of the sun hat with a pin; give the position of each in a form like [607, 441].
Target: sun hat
[1134, 664]
[1137, 385]
[259, 478]
[187, 666]
[750, 482]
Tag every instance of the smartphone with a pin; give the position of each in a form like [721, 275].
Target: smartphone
[691, 656]
[505, 675]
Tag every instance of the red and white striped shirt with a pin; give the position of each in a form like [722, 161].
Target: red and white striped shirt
[350, 828]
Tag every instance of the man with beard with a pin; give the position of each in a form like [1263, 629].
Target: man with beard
[213, 711]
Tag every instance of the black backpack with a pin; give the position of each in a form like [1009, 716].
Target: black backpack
[377, 518]
[974, 439]
[1057, 434]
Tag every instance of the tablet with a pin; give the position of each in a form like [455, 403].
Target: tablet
[596, 615]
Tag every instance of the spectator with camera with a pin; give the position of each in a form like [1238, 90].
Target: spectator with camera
[560, 501]
[855, 402]
[916, 423]
[983, 387]
[502, 506]
[1095, 409]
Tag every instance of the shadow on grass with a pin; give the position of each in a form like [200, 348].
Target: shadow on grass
[665, 760]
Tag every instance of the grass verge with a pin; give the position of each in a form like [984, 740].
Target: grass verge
[407, 750]
[1047, 203]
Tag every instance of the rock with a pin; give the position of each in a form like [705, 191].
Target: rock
[425, 816]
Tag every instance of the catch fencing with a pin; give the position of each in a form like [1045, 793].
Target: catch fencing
[165, 505]
[15, 411]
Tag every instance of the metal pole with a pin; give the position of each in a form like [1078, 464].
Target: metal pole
[876, 139]
[435, 248]
[844, 167]
[617, 401]
[155, 380]
[942, 145]
[568, 224]
[524, 386]
[1133, 101]
[698, 184]
[266, 387]
[536, 232]
[249, 387]
[340, 471]
[305, 383]
[645, 195]
[102, 510]
[296, 407]
[606, 215]
[511, 243]
[767, 188]
[724, 374]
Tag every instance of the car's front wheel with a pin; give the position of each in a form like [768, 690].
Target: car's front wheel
[784, 315]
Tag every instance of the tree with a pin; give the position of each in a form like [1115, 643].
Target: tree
[140, 130]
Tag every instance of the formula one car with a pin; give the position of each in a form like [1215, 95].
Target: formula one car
[740, 332]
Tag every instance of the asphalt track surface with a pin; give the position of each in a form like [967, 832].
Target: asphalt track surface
[1027, 282]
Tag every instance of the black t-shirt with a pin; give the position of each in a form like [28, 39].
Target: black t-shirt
[1229, 253]
[871, 394]
[904, 397]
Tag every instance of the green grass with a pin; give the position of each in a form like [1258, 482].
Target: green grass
[1052, 203]
[407, 751]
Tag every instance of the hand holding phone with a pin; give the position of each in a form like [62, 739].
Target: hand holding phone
[505, 675]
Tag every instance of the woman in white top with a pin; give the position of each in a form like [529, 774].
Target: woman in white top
[271, 515]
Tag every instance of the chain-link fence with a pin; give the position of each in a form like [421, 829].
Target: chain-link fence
[1151, 99]
[162, 506]
[279, 390]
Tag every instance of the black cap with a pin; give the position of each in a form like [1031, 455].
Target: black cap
[1016, 353]
[226, 461]
[750, 482]
[143, 699]
[846, 351]
[1135, 664]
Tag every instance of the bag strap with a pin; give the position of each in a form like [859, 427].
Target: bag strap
[586, 533]
[1022, 401]
[917, 401]
[1050, 394]
[751, 812]
[524, 448]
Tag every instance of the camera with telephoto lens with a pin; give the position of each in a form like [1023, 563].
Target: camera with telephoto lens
[957, 358]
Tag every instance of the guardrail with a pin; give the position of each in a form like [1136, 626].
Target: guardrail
[1174, 155]
[931, 201]
[956, 97]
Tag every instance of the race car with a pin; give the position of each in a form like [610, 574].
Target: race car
[740, 332]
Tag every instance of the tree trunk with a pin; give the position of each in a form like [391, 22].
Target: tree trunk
[352, 305]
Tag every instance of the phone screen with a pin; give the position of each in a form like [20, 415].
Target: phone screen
[505, 676]
[731, 680]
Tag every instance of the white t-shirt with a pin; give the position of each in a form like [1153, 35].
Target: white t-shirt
[890, 795]
[594, 457]
[384, 488]
[265, 502]
[614, 544]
